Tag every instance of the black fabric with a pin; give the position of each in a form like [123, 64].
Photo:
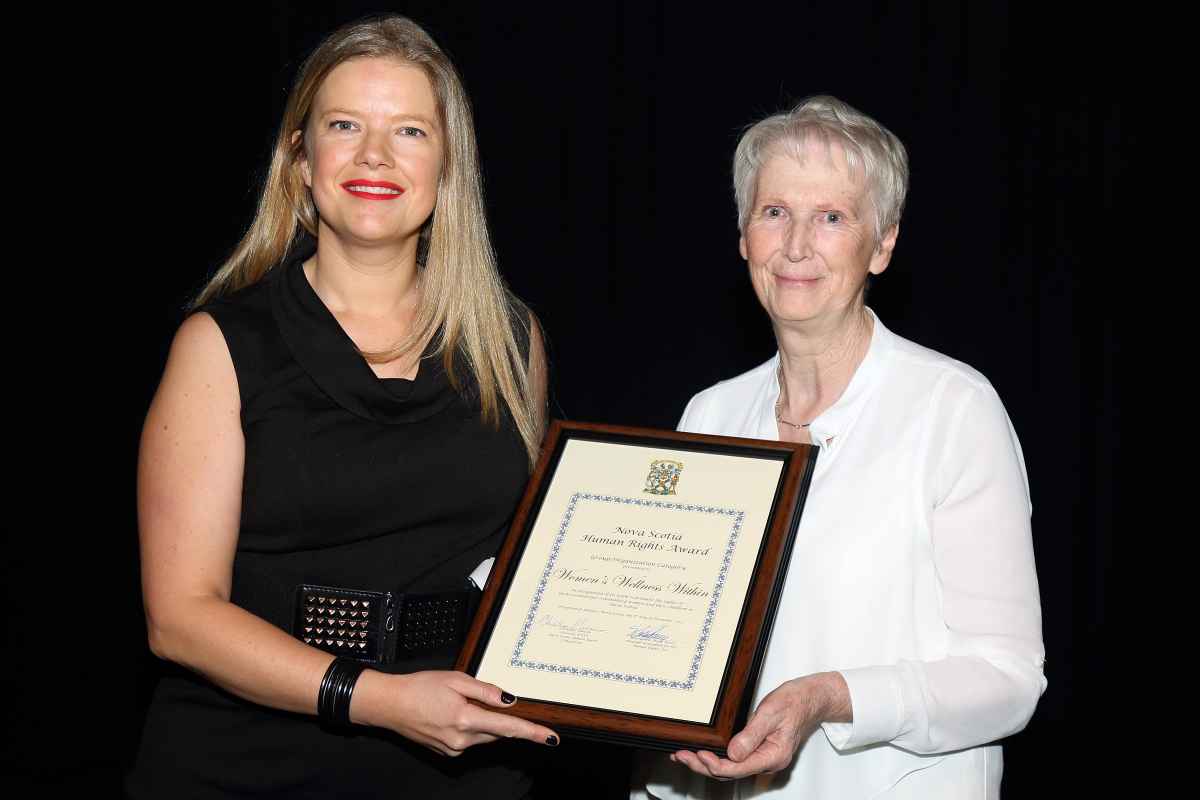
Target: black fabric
[349, 481]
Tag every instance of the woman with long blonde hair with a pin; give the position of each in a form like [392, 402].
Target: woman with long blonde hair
[343, 428]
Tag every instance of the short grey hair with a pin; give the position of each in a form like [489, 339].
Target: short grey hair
[871, 151]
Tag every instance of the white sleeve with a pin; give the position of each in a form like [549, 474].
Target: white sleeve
[988, 685]
[481, 573]
[687, 421]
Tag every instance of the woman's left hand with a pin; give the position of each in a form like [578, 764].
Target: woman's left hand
[782, 722]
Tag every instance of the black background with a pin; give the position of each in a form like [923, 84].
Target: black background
[606, 134]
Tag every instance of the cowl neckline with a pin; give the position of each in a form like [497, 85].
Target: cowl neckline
[323, 350]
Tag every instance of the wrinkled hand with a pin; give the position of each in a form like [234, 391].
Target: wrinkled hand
[782, 722]
[434, 708]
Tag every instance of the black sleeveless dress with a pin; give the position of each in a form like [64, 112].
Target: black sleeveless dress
[349, 481]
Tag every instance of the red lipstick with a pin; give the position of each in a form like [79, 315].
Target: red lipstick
[373, 190]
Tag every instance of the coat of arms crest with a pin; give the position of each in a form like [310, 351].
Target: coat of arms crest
[663, 477]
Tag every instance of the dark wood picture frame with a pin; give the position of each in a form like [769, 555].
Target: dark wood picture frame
[742, 663]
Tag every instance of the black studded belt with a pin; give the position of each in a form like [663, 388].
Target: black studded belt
[382, 627]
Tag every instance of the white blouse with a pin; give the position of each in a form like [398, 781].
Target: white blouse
[912, 575]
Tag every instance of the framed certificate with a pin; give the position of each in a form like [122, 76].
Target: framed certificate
[633, 598]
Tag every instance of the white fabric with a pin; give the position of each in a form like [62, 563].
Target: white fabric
[480, 576]
[912, 575]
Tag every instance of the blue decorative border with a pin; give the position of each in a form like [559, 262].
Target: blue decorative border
[702, 643]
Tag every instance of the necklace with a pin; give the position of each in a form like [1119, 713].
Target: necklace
[779, 403]
[779, 418]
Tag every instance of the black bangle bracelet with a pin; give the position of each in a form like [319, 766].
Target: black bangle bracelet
[337, 687]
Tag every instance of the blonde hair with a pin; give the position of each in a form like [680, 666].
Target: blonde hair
[464, 302]
[869, 148]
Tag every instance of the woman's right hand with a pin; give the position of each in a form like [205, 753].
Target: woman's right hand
[435, 709]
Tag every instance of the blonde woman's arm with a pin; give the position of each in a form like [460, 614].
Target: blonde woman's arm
[189, 506]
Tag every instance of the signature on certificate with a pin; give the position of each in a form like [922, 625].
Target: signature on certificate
[649, 633]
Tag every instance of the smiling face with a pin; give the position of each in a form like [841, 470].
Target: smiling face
[809, 239]
[373, 152]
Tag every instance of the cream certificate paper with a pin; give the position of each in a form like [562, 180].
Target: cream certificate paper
[629, 600]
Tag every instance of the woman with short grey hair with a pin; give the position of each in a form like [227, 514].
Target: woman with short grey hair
[908, 638]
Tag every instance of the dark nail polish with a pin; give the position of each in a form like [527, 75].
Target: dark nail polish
[507, 698]
[552, 741]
